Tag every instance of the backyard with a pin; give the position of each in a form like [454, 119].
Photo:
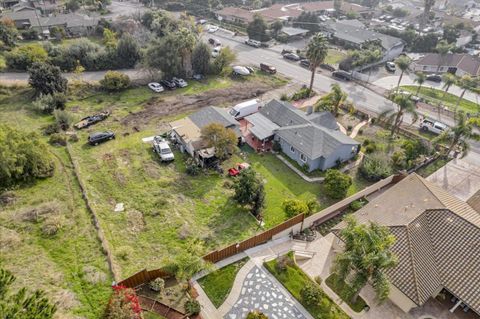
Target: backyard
[438, 97]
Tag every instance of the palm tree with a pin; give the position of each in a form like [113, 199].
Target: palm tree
[366, 257]
[420, 79]
[458, 134]
[442, 48]
[403, 63]
[467, 83]
[186, 40]
[333, 100]
[316, 53]
[405, 105]
[448, 79]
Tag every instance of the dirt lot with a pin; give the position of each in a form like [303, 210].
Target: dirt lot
[158, 107]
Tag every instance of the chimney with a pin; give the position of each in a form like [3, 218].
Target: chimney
[309, 109]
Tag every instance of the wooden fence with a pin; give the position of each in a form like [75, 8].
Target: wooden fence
[256, 240]
[143, 277]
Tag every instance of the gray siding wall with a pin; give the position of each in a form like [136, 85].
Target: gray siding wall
[343, 153]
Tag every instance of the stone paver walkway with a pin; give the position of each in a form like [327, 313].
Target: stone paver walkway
[259, 292]
[357, 128]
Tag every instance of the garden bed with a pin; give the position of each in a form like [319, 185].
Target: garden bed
[218, 284]
[343, 291]
[294, 279]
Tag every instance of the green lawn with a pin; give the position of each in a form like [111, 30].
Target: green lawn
[151, 315]
[294, 279]
[436, 97]
[217, 285]
[342, 290]
[335, 56]
[433, 167]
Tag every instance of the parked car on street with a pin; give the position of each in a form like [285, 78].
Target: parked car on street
[241, 70]
[213, 29]
[268, 68]
[198, 77]
[434, 78]
[214, 42]
[391, 67]
[90, 120]
[168, 84]
[305, 63]
[216, 51]
[291, 56]
[100, 137]
[427, 125]
[327, 67]
[180, 83]
[342, 75]
[161, 147]
[253, 43]
[156, 87]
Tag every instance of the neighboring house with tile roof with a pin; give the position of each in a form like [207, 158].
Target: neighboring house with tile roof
[187, 131]
[437, 242]
[312, 140]
[458, 64]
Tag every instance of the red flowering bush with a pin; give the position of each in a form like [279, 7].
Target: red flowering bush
[123, 304]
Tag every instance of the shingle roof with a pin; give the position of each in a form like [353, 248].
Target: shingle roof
[437, 238]
[69, 19]
[236, 12]
[464, 62]
[262, 127]
[212, 114]
[314, 135]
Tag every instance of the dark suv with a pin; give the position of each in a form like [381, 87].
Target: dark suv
[100, 137]
[168, 84]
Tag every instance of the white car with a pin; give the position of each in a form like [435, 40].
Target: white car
[161, 147]
[156, 87]
[432, 126]
[253, 43]
[181, 83]
[242, 70]
[216, 51]
[213, 29]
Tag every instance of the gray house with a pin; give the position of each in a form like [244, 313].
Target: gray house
[312, 140]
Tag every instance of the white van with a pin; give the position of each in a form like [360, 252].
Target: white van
[246, 108]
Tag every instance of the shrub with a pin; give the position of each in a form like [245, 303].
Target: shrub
[23, 57]
[192, 307]
[123, 304]
[50, 102]
[256, 315]
[283, 262]
[414, 149]
[312, 205]
[366, 142]
[318, 280]
[293, 207]
[57, 139]
[46, 79]
[63, 119]
[303, 93]
[399, 159]
[192, 168]
[360, 132]
[124, 252]
[357, 204]
[158, 284]
[51, 129]
[337, 184]
[36, 160]
[375, 167]
[276, 147]
[52, 225]
[370, 148]
[284, 97]
[30, 34]
[115, 81]
[73, 138]
[349, 128]
[311, 294]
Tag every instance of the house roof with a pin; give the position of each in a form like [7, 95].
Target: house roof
[262, 127]
[437, 238]
[213, 114]
[317, 6]
[465, 62]
[280, 11]
[356, 32]
[290, 31]
[314, 135]
[70, 19]
[236, 12]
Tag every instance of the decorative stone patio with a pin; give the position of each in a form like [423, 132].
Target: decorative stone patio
[260, 293]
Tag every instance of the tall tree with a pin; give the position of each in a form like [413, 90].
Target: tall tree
[46, 79]
[276, 27]
[257, 29]
[163, 55]
[249, 190]
[128, 51]
[366, 257]
[403, 64]
[8, 33]
[22, 304]
[466, 83]
[186, 42]
[448, 80]
[223, 139]
[316, 53]
[333, 100]
[420, 79]
[459, 134]
[201, 58]
[395, 118]
[442, 48]
[428, 5]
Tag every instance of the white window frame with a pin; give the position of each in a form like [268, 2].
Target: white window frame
[303, 158]
[292, 149]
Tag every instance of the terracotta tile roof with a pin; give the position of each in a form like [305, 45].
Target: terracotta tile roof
[437, 240]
